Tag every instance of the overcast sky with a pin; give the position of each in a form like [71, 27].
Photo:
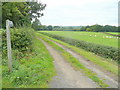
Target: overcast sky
[80, 12]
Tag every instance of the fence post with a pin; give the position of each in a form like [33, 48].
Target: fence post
[9, 52]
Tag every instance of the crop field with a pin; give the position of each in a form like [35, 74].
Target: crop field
[92, 37]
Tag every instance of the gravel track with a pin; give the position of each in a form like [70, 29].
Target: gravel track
[107, 77]
[67, 76]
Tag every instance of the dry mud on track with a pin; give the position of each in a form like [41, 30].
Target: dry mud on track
[67, 77]
[107, 77]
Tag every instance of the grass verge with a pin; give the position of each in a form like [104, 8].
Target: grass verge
[108, 65]
[76, 64]
[34, 70]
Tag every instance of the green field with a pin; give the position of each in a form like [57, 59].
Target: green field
[103, 62]
[92, 37]
[114, 33]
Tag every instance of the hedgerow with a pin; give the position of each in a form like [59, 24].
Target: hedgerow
[101, 50]
[32, 65]
[21, 41]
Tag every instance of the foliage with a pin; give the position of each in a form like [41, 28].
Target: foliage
[50, 27]
[21, 13]
[0, 15]
[105, 51]
[36, 8]
[21, 40]
[100, 28]
[100, 61]
[44, 27]
[75, 63]
[36, 24]
[15, 11]
[34, 70]
[92, 37]
[92, 28]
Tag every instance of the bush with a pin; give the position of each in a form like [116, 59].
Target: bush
[104, 51]
[21, 40]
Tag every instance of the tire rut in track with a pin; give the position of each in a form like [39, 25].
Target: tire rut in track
[67, 76]
[107, 77]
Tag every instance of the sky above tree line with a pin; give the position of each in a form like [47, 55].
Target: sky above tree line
[80, 12]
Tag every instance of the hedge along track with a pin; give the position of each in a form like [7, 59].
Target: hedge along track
[101, 50]
[106, 64]
[108, 77]
[76, 64]
[67, 76]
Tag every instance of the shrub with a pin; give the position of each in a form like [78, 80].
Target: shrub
[21, 40]
[101, 50]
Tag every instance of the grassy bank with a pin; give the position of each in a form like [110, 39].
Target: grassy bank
[34, 70]
[107, 64]
[76, 64]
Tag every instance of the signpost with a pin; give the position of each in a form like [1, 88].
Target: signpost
[9, 50]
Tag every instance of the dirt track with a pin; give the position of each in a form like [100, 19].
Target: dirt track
[62, 66]
[67, 77]
[107, 77]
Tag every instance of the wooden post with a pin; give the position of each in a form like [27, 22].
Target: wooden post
[9, 52]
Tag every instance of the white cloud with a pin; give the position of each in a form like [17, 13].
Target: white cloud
[80, 12]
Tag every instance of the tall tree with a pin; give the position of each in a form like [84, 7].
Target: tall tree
[0, 15]
[21, 13]
[36, 24]
[15, 11]
[36, 9]
[49, 27]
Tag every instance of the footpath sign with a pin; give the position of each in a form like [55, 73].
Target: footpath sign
[9, 50]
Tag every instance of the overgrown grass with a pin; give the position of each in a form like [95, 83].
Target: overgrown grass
[107, 64]
[34, 70]
[76, 64]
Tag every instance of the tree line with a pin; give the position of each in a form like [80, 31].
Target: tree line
[100, 28]
[92, 28]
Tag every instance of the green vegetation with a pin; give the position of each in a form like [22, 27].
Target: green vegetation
[92, 28]
[114, 33]
[32, 68]
[21, 40]
[21, 13]
[104, 51]
[92, 37]
[0, 32]
[32, 64]
[100, 28]
[102, 62]
[75, 63]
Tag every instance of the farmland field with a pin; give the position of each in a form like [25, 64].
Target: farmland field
[92, 37]
[114, 33]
